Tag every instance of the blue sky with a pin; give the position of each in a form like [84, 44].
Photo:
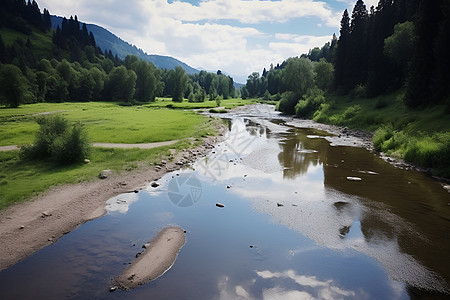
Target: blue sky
[236, 36]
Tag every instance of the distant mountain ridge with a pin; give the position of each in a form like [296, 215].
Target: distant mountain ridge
[106, 40]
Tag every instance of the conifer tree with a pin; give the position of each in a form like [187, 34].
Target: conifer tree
[341, 51]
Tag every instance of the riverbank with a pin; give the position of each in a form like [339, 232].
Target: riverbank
[27, 227]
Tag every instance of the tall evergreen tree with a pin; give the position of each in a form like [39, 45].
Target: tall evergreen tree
[381, 73]
[418, 87]
[341, 51]
[357, 59]
[441, 79]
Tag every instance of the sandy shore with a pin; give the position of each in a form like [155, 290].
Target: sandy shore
[30, 226]
[159, 256]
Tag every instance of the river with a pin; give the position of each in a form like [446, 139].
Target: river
[302, 219]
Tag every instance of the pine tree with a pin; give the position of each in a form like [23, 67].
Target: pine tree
[357, 59]
[341, 51]
[381, 73]
[441, 79]
[418, 86]
[46, 19]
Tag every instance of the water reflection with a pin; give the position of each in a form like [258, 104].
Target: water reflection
[321, 203]
[293, 227]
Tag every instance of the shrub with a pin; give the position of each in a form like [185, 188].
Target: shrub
[287, 103]
[312, 101]
[360, 91]
[381, 103]
[59, 141]
[191, 97]
[381, 135]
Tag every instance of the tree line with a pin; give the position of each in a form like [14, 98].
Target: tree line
[397, 44]
[73, 68]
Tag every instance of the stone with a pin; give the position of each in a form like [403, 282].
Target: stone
[113, 288]
[22, 227]
[279, 204]
[46, 214]
[145, 246]
[220, 205]
[87, 161]
[154, 184]
[350, 178]
[105, 174]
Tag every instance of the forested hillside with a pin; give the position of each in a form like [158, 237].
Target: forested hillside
[108, 41]
[386, 72]
[398, 44]
[39, 64]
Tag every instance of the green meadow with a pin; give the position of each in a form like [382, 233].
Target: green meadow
[104, 122]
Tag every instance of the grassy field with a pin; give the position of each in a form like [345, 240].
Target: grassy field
[105, 122]
[228, 104]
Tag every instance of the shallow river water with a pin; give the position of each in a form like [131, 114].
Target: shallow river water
[294, 226]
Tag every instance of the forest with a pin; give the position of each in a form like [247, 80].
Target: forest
[399, 44]
[38, 64]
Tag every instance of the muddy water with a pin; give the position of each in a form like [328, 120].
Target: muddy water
[293, 227]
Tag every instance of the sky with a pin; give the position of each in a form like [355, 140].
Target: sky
[236, 36]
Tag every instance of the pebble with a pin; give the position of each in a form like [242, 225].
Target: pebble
[46, 214]
[154, 185]
[113, 288]
[220, 205]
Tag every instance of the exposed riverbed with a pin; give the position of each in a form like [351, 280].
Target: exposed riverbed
[301, 219]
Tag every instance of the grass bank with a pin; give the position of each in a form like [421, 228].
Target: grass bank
[227, 103]
[420, 136]
[105, 122]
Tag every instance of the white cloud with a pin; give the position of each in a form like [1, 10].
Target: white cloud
[199, 34]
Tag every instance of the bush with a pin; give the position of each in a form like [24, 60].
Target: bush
[381, 135]
[59, 141]
[287, 103]
[359, 91]
[191, 97]
[311, 103]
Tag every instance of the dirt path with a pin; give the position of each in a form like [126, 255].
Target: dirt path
[111, 145]
[28, 227]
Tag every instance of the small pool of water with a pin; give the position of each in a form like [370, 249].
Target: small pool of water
[293, 227]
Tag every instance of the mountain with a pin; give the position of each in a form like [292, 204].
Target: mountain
[106, 40]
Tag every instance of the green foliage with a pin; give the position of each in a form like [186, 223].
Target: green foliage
[324, 75]
[59, 141]
[399, 46]
[12, 85]
[191, 97]
[298, 75]
[288, 102]
[431, 151]
[120, 84]
[219, 100]
[179, 79]
[311, 101]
